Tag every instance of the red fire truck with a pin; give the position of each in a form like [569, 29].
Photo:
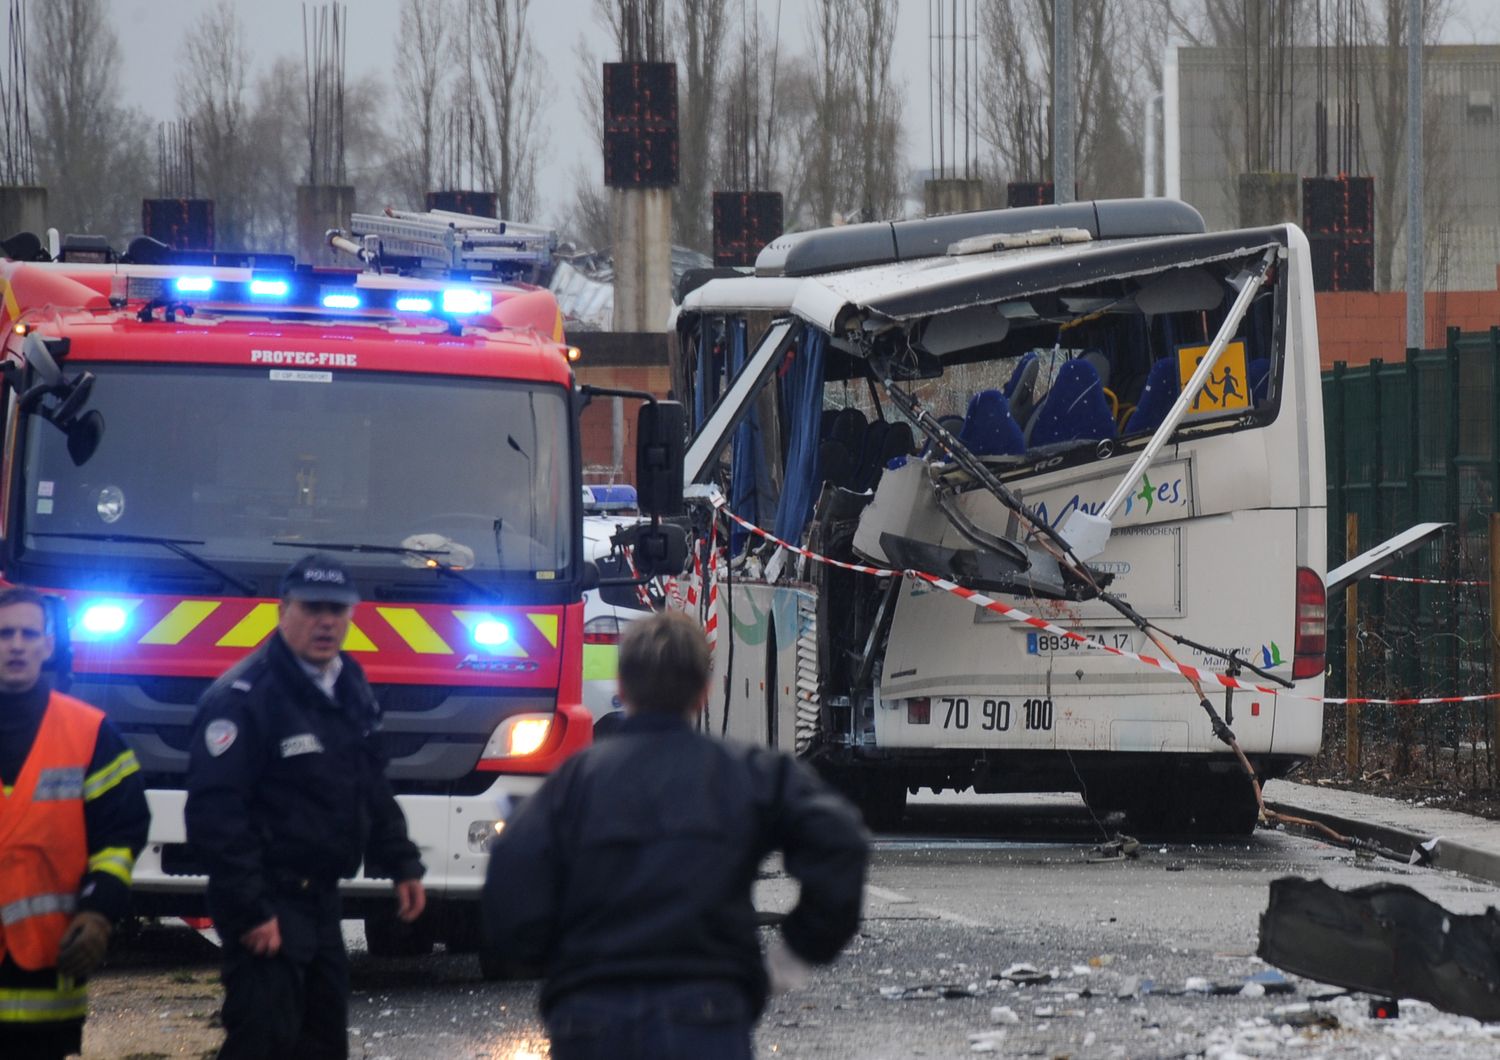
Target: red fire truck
[177, 433]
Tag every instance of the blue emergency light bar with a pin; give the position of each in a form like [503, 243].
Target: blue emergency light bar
[614, 498]
[269, 288]
[296, 290]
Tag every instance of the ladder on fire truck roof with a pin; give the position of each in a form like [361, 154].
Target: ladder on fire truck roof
[439, 239]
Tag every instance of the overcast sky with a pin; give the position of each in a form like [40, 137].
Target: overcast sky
[151, 34]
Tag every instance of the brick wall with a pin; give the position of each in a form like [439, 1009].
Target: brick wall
[1356, 326]
[634, 361]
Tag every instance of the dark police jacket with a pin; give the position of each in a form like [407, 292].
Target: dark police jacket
[287, 789]
[634, 861]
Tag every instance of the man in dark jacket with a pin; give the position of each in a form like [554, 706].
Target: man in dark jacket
[286, 794]
[627, 876]
[73, 819]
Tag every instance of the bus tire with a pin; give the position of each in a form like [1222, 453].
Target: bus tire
[461, 927]
[1224, 804]
[496, 968]
[882, 801]
[386, 936]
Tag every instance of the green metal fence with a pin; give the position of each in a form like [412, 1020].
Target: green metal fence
[1417, 441]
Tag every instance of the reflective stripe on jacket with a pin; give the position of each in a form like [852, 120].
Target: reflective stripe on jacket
[43, 841]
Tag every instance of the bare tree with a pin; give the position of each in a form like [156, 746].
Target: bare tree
[820, 92]
[700, 28]
[1380, 28]
[879, 115]
[587, 219]
[748, 140]
[1016, 99]
[91, 153]
[277, 126]
[510, 75]
[420, 79]
[211, 88]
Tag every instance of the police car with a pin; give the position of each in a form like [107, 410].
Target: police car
[606, 611]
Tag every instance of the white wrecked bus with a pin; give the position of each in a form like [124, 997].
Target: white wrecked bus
[1017, 404]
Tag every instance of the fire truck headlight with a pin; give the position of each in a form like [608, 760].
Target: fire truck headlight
[413, 304]
[341, 300]
[194, 284]
[464, 301]
[518, 736]
[491, 634]
[103, 620]
[110, 503]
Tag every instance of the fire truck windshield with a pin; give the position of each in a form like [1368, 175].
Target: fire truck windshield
[246, 461]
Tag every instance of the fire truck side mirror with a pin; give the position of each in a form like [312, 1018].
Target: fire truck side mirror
[43, 364]
[660, 444]
[660, 550]
[84, 435]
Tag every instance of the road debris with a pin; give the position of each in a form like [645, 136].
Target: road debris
[1120, 848]
[1022, 974]
[929, 992]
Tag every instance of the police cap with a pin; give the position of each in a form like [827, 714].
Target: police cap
[318, 577]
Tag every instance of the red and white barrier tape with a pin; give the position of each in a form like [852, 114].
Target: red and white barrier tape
[1015, 614]
[711, 620]
[1424, 581]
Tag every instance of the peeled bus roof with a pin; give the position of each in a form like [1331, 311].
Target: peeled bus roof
[826, 250]
[912, 289]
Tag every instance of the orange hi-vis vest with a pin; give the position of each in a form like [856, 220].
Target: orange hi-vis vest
[44, 849]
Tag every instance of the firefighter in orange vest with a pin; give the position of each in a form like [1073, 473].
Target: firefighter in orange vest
[72, 820]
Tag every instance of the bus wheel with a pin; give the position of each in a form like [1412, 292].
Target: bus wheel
[1222, 804]
[385, 936]
[461, 928]
[882, 800]
[496, 968]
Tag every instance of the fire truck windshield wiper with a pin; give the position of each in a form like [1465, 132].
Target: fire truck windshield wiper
[432, 557]
[172, 544]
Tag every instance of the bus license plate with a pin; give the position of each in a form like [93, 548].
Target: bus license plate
[1053, 644]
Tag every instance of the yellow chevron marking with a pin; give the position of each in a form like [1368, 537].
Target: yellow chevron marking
[180, 621]
[252, 629]
[547, 625]
[13, 308]
[509, 650]
[422, 638]
[356, 640]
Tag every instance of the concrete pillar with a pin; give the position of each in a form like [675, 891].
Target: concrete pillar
[319, 208]
[1270, 199]
[952, 196]
[642, 237]
[23, 208]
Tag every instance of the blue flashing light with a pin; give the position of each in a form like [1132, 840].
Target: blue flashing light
[341, 300]
[194, 284]
[103, 620]
[491, 634]
[465, 301]
[412, 304]
[270, 288]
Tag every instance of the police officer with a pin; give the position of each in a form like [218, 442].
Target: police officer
[627, 875]
[73, 819]
[286, 793]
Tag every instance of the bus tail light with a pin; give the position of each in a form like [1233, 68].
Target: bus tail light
[1311, 648]
[604, 629]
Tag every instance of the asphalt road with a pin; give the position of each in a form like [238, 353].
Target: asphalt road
[969, 889]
